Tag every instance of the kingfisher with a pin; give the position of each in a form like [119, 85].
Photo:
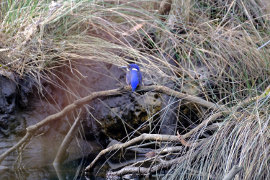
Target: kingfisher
[133, 76]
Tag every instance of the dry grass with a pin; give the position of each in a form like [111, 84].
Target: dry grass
[241, 139]
[208, 48]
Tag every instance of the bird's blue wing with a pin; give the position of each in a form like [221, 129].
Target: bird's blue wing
[134, 79]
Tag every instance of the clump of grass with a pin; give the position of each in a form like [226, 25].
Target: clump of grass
[40, 36]
[224, 37]
[242, 139]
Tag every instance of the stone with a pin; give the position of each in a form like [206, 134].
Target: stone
[14, 94]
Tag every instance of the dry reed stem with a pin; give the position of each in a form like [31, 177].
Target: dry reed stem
[250, 99]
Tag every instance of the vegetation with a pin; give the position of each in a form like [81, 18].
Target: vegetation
[206, 48]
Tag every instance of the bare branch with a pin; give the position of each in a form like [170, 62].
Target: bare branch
[205, 122]
[186, 97]
[143, 170]
[64, 145]
[30, 131]
[80, 102]
[183, 141]
[27, 136]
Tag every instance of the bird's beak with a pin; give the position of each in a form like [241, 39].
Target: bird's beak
[122, 67]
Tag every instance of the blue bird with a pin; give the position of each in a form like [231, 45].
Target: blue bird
[133, 76]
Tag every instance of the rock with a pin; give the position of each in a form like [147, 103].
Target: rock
[24, 90]
[124, 113]
[13, 96]
[7, 95]
[7, 104]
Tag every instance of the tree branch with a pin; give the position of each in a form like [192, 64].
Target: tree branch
[144, 170]
[186, 97]
[30, 131]
[80, 102]
[68, 138]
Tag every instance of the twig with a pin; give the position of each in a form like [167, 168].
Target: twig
[64, 145]
[204, 123]
[263, 45]
[145, 170]
[235, 169]
[80, 102]
[183, 141]
[151, 153]
[16, 146]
